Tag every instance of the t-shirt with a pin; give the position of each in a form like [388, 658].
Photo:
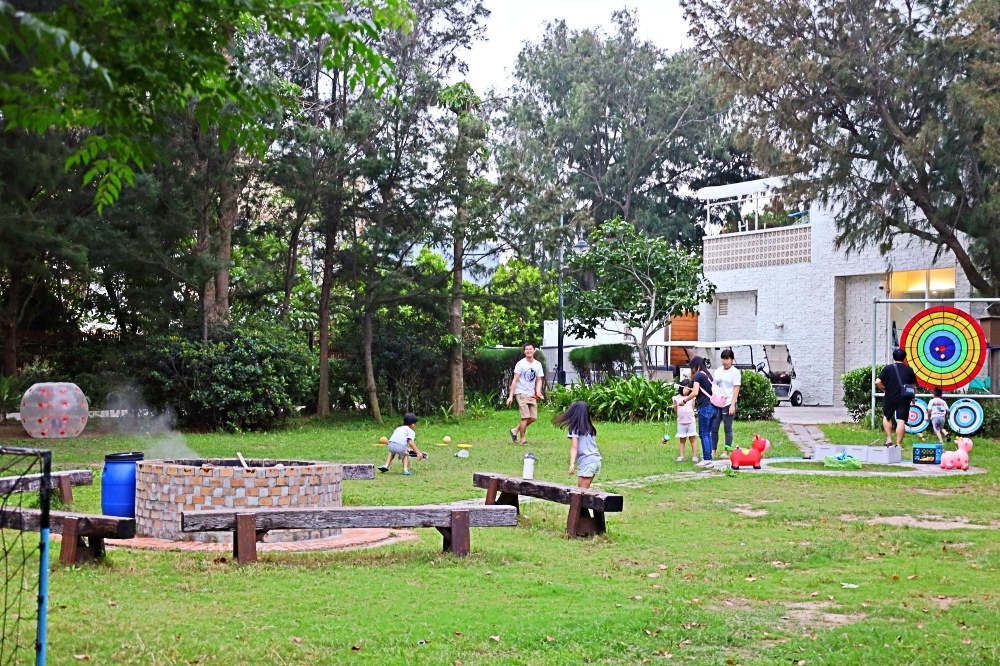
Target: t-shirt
[586, 449]
[529, 373]
[402, 435]
[704, 395]
[727, 381]
[891, 382]
[685, 411]
[938, 407]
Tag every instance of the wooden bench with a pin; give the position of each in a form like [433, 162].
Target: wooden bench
[73, 527]
[62, 482]
[248, 527]
[581, 501]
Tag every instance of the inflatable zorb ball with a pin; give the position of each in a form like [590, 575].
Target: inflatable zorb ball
[54, 410]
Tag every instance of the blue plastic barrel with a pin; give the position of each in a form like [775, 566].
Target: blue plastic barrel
[118, 484]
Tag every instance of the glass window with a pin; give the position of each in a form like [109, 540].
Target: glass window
[931, 285]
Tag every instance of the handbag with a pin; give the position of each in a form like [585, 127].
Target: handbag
[716, 396]
[906, 391]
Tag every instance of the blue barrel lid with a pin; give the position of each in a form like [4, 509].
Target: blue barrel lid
[127, 456]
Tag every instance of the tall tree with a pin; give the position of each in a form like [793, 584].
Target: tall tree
[882, 110]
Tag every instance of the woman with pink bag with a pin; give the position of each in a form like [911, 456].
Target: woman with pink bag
[707, 406]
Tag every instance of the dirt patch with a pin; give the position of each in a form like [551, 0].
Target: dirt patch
[944, 603]
[927, 522]
[816, 615]
[933, 493]
[748, 511]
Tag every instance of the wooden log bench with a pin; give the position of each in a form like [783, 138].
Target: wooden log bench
[248, 527]
[74, 527]
[62, 482]
[504, 490]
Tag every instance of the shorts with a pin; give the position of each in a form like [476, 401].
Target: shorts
[937, 423]
[898, 411]
[397, 448]
[589, 470]
[687, 430]
[528, 406]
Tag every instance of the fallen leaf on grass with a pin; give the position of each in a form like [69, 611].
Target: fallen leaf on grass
[750, 579]
[730, 661]
[495, 638]
[296, 639]
[895, 577]
[488, 573]
[801, 662]
[661, 567]
[458, 633]
[729, 603]
[830, 597]
[814, 594]
[911, 577]
[653, 575]
[550, 638]
[456, 663]
[967, 641]
[849, 586]
[356, 648]
[82, 657]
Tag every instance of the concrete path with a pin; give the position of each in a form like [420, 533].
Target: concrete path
[812, 415]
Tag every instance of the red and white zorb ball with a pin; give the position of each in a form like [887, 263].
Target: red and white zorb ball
[54, 410]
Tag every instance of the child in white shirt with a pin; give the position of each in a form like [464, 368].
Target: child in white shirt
[403, 438]
[686, 427]
[938, 412]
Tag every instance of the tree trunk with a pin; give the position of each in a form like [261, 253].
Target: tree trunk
[10, 317]
[291, 264]
[457, 360]
[370, 385]
[643, 347]
[323, 399]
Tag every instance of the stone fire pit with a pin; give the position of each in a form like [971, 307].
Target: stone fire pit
[165, 488]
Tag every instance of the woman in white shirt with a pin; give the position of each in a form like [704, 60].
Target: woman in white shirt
[728, 379]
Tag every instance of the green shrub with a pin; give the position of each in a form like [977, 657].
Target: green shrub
[627, 399]
[491, 370]
[757, 400]
[10, 395]
[858, 392]
[251, 379]
[596, 363]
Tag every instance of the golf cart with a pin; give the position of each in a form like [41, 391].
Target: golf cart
[771, 359]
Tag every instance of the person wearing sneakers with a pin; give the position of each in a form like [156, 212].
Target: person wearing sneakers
[529, 376]
[727, 380]
[686, 429]
[701, 393]
[403, 438]
[897, 381]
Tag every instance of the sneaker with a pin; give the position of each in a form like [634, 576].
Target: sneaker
[383, 468]
[513, 436]
[887, 445]
[694, 459]
[680, 459]
[704, 463]
[407, 473]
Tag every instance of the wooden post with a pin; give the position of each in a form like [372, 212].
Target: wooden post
[600, 527]
[491, 491]
[460, 545]
[70, 541]
[245, 538]
[575, 506]
[65, 488]
[510, 499]
[96, 545]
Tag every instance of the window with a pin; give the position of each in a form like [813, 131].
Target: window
[723, 307]
[930, 285]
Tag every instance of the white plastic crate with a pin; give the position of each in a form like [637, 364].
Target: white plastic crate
[884, 455]
[859, 452]
[821, 451]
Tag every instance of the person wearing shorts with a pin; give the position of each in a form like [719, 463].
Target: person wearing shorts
[939, 413]
[687, 429]
[529, 376]
[895, 407]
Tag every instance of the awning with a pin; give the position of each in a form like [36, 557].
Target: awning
[740, 189]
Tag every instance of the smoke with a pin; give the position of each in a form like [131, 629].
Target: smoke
[155, 428]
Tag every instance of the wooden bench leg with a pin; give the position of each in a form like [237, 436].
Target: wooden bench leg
[510, 499]
[460, 545]
[491, 491]
[96, 546]
[245, 538]
[65, 489]
[575, 507]
[68, 553]
[600, 527]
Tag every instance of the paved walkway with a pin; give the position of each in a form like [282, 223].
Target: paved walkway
[350, 539]
[806, 437]
[812, 415]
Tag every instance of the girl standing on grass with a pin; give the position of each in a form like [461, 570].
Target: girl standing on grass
[584, 457]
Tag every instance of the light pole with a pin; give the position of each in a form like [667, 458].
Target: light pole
[579, 246]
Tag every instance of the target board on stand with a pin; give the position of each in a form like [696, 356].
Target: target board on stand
[945, 347]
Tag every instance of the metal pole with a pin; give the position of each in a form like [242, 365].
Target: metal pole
[560, 373]
[41, 639]
[874, 353]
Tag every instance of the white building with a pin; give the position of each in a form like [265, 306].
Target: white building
[792, 284]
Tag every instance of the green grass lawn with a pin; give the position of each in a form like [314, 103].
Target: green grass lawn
[737, 569]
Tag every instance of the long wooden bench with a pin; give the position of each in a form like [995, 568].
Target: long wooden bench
[74, 527]
[62, 482]
[581, 501]
[250, 526]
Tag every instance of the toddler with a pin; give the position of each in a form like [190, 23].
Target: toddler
[938, 411]
[686, 429]
[403, 438]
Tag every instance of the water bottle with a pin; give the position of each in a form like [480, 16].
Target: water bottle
[529, 466]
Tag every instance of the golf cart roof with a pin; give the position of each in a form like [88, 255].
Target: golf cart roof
[724, 344]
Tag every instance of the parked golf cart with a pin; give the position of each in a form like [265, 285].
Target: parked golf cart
[771, 359]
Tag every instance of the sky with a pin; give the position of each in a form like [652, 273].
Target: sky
[514, 22]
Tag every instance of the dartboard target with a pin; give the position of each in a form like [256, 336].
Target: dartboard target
[918, 417]
[945, 347]
[965, 417]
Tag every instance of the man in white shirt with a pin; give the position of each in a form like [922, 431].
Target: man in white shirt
[529, 377]
[728, 379]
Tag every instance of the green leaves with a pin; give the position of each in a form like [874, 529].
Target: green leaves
[630, 399]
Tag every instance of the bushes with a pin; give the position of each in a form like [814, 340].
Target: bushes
[629, 399]
[491, 371]
[858, 392]
[252, 379]
[598, 362]
[757, 400]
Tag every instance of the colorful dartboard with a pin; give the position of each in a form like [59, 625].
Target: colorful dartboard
[965, 416]
[945, 347]
[918, 417]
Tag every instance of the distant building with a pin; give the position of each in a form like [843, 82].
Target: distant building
[791, 284]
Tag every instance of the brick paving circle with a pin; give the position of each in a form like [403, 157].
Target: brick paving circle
[349, 539]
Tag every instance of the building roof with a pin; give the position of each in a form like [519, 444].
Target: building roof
[740, 189]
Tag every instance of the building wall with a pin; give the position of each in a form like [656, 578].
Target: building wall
[822, 309]
[741, 320]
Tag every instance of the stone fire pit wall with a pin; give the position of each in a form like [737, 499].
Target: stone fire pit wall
[164, 488]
